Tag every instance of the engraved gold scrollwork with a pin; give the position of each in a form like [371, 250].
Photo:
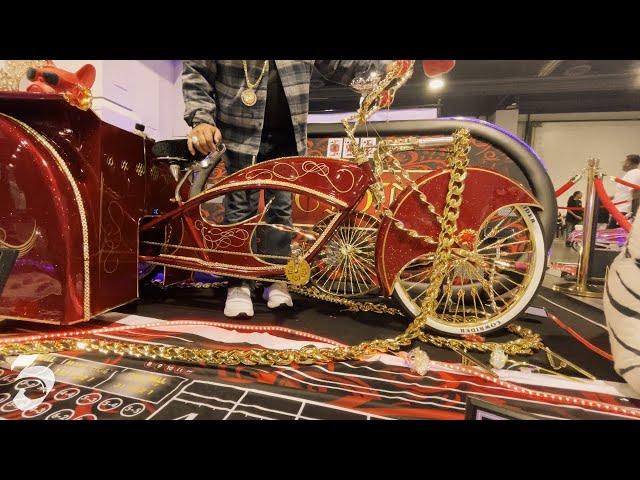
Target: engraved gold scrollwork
[168, 238]
[289, 172]
[23, 248]
[217, 238]
[112, 237]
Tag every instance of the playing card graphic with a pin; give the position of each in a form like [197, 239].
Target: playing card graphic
[369, 145]
[334, 148]
[346, 148]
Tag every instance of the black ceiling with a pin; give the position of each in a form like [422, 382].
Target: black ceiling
[480, 87]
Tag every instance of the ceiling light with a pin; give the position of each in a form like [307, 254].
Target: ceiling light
[549, 67]
[436, 84]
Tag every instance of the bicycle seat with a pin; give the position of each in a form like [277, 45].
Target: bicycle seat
[175, 151]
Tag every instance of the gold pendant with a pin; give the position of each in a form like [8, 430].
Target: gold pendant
[249, 97]
[297, 271]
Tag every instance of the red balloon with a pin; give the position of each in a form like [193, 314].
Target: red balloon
[435, 68]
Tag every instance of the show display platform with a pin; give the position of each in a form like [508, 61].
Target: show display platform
[93, 385]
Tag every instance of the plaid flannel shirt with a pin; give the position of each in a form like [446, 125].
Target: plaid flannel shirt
[211, 90]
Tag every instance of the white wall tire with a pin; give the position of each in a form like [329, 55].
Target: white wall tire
[537, 265]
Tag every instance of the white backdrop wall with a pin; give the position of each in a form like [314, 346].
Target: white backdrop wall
[565, 148]
[127, 92]
[138, 91]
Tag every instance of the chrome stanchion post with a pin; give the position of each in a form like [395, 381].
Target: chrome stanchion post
[583, 287]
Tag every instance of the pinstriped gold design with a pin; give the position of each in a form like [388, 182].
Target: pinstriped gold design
[23, 248]
[258, 183]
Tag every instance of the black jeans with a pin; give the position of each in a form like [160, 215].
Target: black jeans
[242, 205]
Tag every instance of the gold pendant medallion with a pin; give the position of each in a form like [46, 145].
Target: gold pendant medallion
[297, 271]
[249, 97]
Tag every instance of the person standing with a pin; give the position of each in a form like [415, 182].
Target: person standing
[260, 108]
[627, 198]
[574, 214]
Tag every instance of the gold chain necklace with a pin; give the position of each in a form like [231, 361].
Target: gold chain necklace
[248, 95]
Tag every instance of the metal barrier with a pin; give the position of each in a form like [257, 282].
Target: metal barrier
[583, 287]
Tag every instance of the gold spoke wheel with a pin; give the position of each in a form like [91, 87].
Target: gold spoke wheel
[346, 264]
[491, 274]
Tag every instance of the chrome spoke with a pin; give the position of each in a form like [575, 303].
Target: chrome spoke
[496, 228]
[360, 277]
[366, 270]
[519, 242]
[502, 240]
[444, 293]
[510, 226]
[415, 275]
[339, 268]
[418, 283]
[504, 254]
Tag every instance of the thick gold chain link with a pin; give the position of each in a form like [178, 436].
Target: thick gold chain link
[259, 79]
[458, 161]
[352, 305]
[528, 343]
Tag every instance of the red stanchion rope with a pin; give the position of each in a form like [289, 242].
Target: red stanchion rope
[608, 204]
[580, 338]
[582, 208]
[568, 185]
[625, 183]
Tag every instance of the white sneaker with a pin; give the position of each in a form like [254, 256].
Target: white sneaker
[238, 302]
[277, 295]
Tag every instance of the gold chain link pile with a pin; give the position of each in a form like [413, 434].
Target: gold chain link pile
[528, 343]
[352, 305]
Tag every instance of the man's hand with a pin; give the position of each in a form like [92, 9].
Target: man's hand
[207, 137]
